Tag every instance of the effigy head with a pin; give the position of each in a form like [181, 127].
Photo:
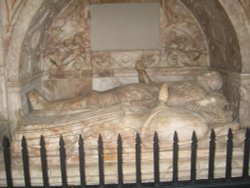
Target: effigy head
[211, 81]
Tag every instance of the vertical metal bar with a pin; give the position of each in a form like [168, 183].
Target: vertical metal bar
[138, 160]
[175, 158]
[211, 156]
[7, 161]
[81, 161]
[193, 157]
[63, 163]
[229, 155]
[245, 173]
[25, 157]
[119, 161]
[101, 163]
[156, 160]
[44, 162]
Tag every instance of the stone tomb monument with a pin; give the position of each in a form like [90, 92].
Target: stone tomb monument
[143, 108]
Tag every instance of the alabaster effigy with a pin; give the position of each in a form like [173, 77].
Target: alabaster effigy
[143, 108]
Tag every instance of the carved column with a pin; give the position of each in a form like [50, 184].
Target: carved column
[245, 100]
[14, 102]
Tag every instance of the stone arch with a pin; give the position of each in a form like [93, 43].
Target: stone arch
[199, 8]
[240, 17]
[27, 70]
[223, 45]
[13, 55]
[12, 59]
[239, 14]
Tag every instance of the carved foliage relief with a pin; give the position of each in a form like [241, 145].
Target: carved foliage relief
[67, 45]
[67, 40]
[33, 44]
[182, 41]
[57, 45]
[124, 59]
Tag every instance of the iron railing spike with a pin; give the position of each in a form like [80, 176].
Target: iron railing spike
[212, 134]
[156, 138]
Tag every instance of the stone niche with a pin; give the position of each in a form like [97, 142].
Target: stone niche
[57, 58]
[195, 36]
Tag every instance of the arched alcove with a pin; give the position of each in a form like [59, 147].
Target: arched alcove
[223, 45]
[60, 55]
[217, 31]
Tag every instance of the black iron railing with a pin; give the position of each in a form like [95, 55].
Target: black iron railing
[211, 181]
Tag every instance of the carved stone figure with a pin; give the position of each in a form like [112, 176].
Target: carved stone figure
[144, 107]
[125, 119]
[140, 95]
[202, 96]
[143, 93]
